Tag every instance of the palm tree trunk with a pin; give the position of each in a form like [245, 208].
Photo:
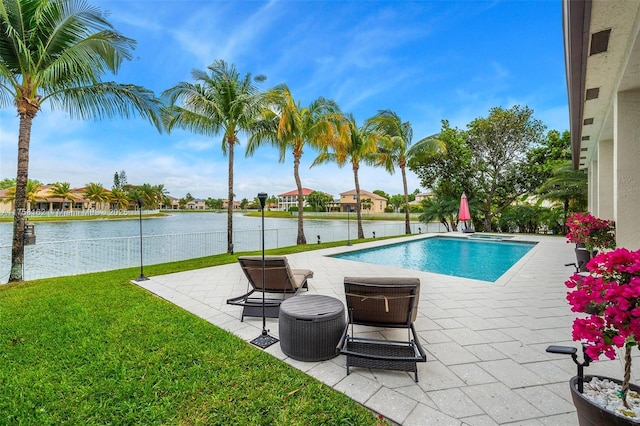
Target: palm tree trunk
[407, 222]
[230, 143]
[22, 177]
[358, 213]
[566, 213]
[296, 165]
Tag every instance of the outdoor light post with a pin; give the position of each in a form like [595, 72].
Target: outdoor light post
[141, 277]
[264, 340]
[348, 228]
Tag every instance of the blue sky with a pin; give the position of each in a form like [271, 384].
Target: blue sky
[425, 60]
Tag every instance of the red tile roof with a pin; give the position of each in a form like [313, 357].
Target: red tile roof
[305, 192]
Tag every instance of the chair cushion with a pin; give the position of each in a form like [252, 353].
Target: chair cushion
[383, 281]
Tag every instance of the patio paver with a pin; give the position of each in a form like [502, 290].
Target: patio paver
[486, 362]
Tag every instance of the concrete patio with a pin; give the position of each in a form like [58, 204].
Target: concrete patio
[485, 342]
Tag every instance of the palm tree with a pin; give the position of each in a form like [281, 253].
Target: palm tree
[97, 193]
[63, 190]
[148, 195]
[440, 209]
[58, 51]
[218, 101]
[352, 144]
[567, 185]
[30, 193]
[161, 195]
[287, 125]
[119, 197]
[395, 149]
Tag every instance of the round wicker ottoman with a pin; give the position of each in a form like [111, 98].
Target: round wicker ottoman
[310, 327]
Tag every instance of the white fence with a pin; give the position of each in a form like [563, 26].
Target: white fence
[85, 212]
[72, 257]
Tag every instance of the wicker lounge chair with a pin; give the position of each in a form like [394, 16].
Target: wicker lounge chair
[280, 281]
[387, 303]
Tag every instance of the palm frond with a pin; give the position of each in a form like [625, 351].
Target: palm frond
[109, 100]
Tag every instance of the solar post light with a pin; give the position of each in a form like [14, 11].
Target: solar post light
[264, 340]
[141, 277]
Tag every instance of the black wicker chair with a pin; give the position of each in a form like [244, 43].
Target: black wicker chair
[386, 302]
[280, 281]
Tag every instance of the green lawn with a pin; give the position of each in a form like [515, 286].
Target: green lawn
[96, 349]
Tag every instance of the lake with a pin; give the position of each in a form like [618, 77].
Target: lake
[82, 246]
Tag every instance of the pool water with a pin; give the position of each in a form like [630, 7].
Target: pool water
[461, 257]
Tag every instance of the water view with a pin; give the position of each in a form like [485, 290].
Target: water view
[76, 247]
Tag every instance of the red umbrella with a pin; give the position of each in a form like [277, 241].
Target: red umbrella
[464, 214]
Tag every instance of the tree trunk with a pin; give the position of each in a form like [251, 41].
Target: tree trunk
[22, 177]
[566, 214]
[627, 374]
[296, 165]
[358, 213]
[230, 143]
[407, 220]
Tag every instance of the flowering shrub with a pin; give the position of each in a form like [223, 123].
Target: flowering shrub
[610, 293]
[593, 232]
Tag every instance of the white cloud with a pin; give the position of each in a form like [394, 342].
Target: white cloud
[427, 61]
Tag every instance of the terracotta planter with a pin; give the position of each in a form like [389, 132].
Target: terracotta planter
[590, 414]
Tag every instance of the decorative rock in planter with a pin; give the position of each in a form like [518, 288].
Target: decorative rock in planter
[592, 414]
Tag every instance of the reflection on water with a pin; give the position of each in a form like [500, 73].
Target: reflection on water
[75, 247]
[185, 223]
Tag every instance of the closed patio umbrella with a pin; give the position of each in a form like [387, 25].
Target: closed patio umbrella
[463, 213]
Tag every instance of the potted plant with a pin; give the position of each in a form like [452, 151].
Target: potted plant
[610, 296]
[590, 234]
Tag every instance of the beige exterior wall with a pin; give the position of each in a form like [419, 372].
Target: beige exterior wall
[348, 201]
[626, 161]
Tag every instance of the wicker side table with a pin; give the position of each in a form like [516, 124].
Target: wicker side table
[310, 327]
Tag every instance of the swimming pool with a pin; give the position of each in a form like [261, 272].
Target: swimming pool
[461, 257]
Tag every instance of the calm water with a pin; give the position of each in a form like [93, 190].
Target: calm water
[460, 257]
[77, 247]
[179, 223]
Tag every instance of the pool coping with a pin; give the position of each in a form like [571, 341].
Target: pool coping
[500, 281]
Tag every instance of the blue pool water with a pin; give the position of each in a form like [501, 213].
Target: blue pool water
[461, 257]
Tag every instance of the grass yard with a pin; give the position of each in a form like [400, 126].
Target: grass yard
[96, 349]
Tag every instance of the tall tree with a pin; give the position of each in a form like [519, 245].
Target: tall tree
[442, 209]
[148, 195]
[97, 193]
[161, 195]
[63, 190]
[119, 197]
[567, 186]
[58, 51]
[552, 151]
[7, 183]
[395, 148]
[119, 179]
[353, 144]
[450, 173]
[220, 101]
[31, 191]
[289, 126]
[319, 200]
[500, 143]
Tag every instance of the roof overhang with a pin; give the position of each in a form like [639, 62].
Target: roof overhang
[602, 58]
